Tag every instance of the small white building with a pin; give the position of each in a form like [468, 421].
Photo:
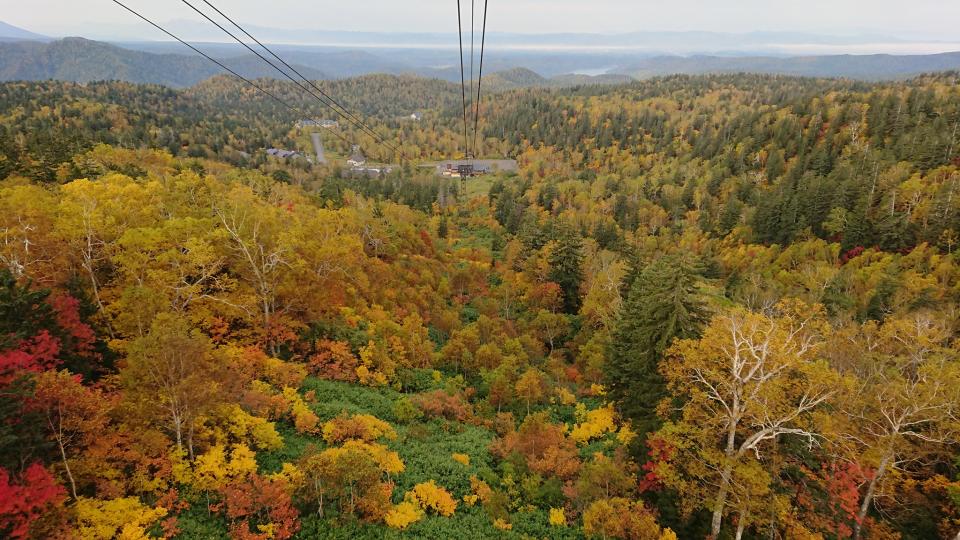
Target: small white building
[356, 159]
[309, 122]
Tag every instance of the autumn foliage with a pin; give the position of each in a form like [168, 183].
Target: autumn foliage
[718, 306]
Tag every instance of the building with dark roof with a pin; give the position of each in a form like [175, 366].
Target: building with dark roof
[283, 154]
[356, 159]
[454, 167]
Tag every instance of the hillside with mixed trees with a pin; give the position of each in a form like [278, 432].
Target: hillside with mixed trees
[705, 307]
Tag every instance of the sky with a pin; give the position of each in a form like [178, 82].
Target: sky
[919, 20]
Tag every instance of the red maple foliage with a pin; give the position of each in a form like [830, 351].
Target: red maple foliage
[659, 452]
[25, 502]
[543, 444]
[843, 487]
[32, 355]
[257, 501]
[440, 404]
[851, 254]
[82, 337]
[334, 361]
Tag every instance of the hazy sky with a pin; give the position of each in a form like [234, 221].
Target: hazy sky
[916, 19]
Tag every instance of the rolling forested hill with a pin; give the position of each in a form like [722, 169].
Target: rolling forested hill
[82, 60]
[705, 305]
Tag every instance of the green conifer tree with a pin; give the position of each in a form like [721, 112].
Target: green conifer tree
[566, 266]
[663, 304]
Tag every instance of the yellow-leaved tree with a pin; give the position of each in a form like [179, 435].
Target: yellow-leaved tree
[126, 518]
[905, 402]
[431, 497]
[751, 379]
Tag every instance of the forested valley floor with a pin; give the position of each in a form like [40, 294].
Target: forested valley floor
[704, 307]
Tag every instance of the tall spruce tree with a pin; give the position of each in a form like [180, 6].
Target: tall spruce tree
[663, 304]
[566, 266]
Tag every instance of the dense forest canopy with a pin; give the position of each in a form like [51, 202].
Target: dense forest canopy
[705, 306]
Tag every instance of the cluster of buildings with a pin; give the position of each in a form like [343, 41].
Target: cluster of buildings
[283, 154]
[326, 124]
[359, 167]
[472, 167]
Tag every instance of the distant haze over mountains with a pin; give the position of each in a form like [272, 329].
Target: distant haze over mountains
[648, 42]
[10, 32]
[513, 60]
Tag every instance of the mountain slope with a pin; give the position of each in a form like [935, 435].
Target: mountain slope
[9, 32]
[513, 78]
[525, 78]
[82, 60]
[866, 67]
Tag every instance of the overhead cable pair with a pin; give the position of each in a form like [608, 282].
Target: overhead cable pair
[316, 92]
[468, 148]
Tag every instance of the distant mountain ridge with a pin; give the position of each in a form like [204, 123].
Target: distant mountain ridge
[864, 67]
[525, 78]
[9, 32]
[83, 60]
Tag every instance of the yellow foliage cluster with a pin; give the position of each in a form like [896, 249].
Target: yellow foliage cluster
[564, 396]
[387, 460]
[363, 427]
[126, 518]
[403, 514]
[180, 467]
[622, 518]
[243, 426]
[463, 459]
[304, 419]
[625, 435]
[292, 477]
[502, 524]
[392, 346]
[213, 470]
[283, 374]
[430, 496]
[593, 424]
[480, 489]
[557, 517]
[370, 378]
[374, 362]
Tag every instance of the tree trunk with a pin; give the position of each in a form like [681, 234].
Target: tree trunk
[190, 441]
[720, 503]
[318, 490]
[63, 453]
[741, 525]
[58, 433]
[88, 266]
[179, 432]
[868, 497]
[729, 452]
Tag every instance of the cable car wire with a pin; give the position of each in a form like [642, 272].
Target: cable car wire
[483, 40]
[463, 86]
[345, 112]
[296, 110]
[473, 12]
[362, 127]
